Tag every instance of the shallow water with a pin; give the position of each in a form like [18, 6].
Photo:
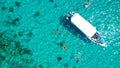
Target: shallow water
[32, 34]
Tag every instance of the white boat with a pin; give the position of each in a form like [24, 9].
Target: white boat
[83, 25]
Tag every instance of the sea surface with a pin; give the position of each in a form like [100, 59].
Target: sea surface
[34, 34]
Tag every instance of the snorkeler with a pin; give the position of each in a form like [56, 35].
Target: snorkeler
[63, 46]
[86, 5]
[77, 56]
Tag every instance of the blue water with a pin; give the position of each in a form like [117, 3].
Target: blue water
[32, 34]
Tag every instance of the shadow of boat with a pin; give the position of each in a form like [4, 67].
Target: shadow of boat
[73, 29]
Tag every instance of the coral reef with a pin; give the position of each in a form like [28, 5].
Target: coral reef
[18, 4]
[11, 9]
[10, 48]
[51, 1]
[36, 14]
[59, 58]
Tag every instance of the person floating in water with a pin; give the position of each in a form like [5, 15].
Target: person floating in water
[77, 56]
[63, 46]
[86, 4]
[57, 31]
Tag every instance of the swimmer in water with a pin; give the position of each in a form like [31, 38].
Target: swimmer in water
[57, 31]
[86, 5]
[77, 57]
[63, 46]
[77, 60]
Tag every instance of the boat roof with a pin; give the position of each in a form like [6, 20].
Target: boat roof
[83, 25]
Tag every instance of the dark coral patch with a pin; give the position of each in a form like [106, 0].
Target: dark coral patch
[5, 42]
[55, 5]
[27, 51]
[3, 8]
[89, 57]
[17, 44]
[18, 4]
[11, 9]
[20, 50]
[7, 22]
[40, 66]
[15, 36]
[15, 21]
[1, 34]
[3, 46]
[20, 33]
[59, 58]
[36, 14]
[2, 58]
[30, 34]
[27, 40]
[51, 1]
[61, 44]
[27, 60]
[66, 65]
[12, 31]
[73, 67]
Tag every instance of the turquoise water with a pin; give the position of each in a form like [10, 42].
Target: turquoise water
[32, 34]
